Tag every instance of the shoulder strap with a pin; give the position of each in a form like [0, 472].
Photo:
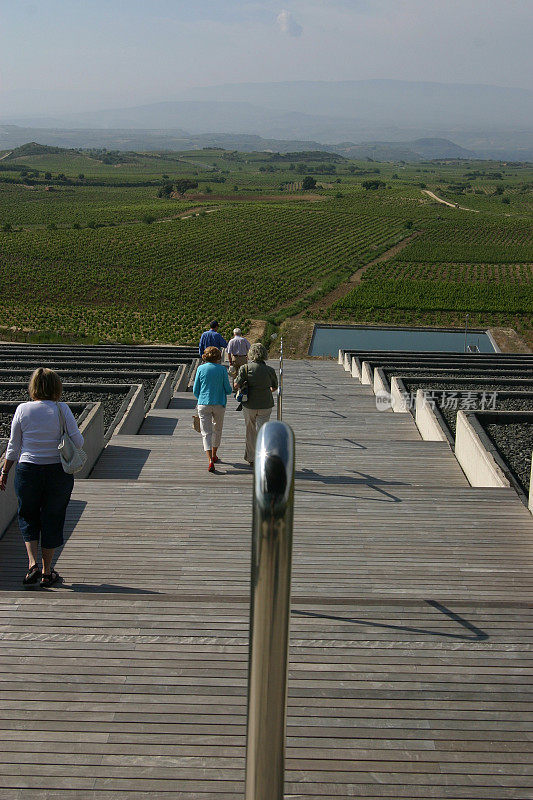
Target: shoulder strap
[62, 424]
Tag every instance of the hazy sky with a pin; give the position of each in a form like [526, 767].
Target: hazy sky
[75, 55]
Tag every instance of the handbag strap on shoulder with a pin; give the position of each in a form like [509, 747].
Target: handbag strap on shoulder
[61, 419]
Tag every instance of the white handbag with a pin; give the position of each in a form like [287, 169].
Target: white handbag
[72, 458]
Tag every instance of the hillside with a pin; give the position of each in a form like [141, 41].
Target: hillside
[425, 149]
[35, 149]
[58, 141]
[109, 254]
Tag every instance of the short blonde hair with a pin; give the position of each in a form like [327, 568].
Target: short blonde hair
[212, 354]
[45, 384]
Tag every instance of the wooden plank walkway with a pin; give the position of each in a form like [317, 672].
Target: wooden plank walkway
[411, 631]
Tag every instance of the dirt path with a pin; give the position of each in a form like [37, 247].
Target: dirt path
[447, 202]
[185, 214]
[6, 155]
[201, 164]
[345, 287]
[258, 198]
[257, 330]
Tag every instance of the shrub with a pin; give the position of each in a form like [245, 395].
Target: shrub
[373, 185]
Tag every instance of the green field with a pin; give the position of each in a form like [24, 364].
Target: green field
[88, 249]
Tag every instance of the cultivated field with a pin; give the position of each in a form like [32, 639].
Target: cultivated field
[89, 250]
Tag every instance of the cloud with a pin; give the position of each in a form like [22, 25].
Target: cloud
[288, 25]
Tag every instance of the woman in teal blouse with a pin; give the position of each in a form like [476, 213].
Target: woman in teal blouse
[211, 388]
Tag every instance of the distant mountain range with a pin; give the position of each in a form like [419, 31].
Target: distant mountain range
[417, 150]
[487, 121]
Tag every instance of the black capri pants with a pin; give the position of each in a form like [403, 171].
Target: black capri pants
[43, 492]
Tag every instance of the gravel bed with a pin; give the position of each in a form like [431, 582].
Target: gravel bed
[117, 377]
[472, 402]
[110, 403]
[515, 443]
[5, 425]
[420, 372]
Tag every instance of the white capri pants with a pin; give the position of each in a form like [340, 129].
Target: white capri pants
[211, 422]
[254, 419]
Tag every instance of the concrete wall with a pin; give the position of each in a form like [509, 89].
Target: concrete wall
[367, 376]
[341, 356]
[133, 416]
[192, 373]
[181, 379]
[355, 369]
[8, 501]
[472, 451]
[92, 429]
[160, 397]
[397, 390]
[347, 364]
[427, 421]
[381, 387]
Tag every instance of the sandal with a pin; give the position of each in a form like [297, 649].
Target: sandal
[32, 577]
[49, 580]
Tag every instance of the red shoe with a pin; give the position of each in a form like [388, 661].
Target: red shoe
[216, 460]
[211, 467]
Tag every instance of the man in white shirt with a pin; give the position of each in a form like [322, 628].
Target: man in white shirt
[238, 347]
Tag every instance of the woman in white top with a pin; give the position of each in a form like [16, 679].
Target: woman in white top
[43, 489]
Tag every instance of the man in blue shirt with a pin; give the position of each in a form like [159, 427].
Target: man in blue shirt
[212, 338]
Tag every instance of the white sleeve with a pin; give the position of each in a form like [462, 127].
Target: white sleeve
[15, 440]
[72, 426]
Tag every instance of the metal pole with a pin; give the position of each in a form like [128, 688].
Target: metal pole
[280, 382]
[466, 330]
[269, 612]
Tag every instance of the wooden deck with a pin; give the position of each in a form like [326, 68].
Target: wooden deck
[411, 630]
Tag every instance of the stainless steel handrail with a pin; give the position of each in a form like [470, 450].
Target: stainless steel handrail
[280, 382]
[269, 612]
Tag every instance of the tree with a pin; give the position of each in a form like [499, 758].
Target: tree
[48, 176]
[308, 183]
[7, 227]
[166, 190]
[184, 184]
[81, 176]
[373, 185]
